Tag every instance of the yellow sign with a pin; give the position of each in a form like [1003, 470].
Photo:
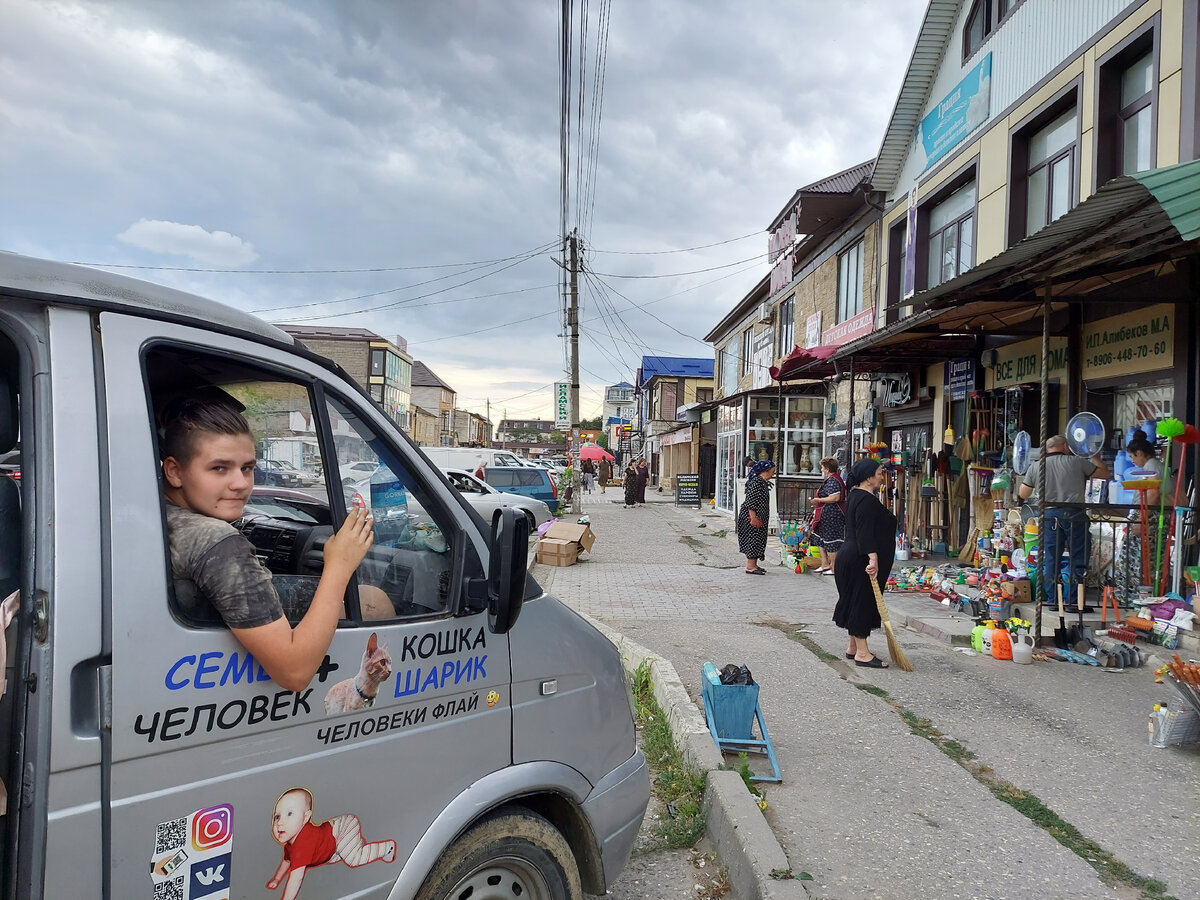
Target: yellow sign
[1021, 363]
[1139, 341]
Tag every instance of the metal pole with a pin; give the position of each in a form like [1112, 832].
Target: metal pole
[850, 422]
[573, 324]
[1043, 580]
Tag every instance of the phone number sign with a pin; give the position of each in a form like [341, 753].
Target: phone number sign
[1139, 341]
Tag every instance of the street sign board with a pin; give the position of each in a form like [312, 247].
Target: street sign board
[687, 490]
[562, 405]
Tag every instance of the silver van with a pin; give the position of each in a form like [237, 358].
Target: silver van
[466, 735]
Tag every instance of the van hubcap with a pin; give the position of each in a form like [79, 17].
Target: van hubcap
[503, 879]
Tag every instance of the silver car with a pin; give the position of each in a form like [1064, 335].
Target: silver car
[487, 499]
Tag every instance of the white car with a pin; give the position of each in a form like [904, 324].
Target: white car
[487, 499]
[353, 472]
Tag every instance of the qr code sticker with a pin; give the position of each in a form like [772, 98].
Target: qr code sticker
[170, 890]
[170, 836]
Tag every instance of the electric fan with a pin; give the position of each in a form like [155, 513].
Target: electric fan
[1020, 453]
[1085, 434]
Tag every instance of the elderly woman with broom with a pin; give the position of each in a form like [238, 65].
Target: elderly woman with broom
[865, 557]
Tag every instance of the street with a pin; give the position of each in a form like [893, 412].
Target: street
[894, 790]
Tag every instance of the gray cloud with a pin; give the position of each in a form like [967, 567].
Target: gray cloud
[381, 134]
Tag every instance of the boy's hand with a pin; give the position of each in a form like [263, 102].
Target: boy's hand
[347, 548]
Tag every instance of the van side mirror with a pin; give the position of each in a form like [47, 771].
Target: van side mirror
[507, 568]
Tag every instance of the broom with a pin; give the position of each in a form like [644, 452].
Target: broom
[894, 650]
[1170, 428]
[1190, 435]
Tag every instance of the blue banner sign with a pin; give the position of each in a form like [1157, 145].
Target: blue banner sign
[960, 378]
[958, 113]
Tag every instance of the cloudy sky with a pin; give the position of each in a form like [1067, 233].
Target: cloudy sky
[286, 143]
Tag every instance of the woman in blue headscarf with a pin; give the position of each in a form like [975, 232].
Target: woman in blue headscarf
[753, 517]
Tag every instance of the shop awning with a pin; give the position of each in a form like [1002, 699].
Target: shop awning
[1133, 225]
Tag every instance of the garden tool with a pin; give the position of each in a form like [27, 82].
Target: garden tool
[1190, 435]
[1167, 428]
[1060, 633]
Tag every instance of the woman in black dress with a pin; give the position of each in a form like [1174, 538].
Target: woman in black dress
[868, 552]
[830, 502]
[630, 484]
[643, 476]
[753, 516]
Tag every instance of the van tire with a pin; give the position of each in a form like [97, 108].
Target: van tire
[514, 854]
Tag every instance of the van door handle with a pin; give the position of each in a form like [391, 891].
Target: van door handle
[91, 697]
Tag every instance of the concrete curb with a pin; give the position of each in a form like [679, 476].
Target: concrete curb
[744, 841]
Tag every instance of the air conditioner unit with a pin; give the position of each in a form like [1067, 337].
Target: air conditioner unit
[765, 311]
[925, 393]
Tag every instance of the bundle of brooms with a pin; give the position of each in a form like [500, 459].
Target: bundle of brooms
[894, 649]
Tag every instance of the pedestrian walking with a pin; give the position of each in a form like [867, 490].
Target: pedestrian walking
[630, 484]
[868, 552]
[605, 473]
[753, 516]
[589, 475]
[829, 518]
[643, 476]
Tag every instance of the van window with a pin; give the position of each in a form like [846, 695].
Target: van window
[300, 496]
[502, 478]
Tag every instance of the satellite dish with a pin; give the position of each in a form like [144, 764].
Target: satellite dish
[1085, 434]
[1020, 454]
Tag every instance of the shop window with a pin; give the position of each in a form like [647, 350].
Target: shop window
[950, 226]
[1045, 169]
[984, 17]
[746, 350]
[897, 262]
[787, 326]
[850, 282]
[1127, 89]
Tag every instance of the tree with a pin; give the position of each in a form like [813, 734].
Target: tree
[591, 424]
[557, 437]
[602, 440]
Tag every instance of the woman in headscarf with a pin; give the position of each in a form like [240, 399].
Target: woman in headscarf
[830, 518]
[630, 484]
[753, 516]
[643, 476]
[868, 552]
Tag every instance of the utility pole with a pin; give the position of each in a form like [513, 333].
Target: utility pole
[487, 441]
[573, 325]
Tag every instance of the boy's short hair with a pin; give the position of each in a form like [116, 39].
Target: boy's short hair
[185, 421]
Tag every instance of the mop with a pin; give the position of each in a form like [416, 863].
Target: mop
[1167, 428]
[1190, 435]
[894, 650]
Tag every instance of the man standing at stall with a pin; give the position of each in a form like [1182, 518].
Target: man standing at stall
[1066, 482]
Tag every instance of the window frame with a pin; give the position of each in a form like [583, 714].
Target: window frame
[966, 175]
[786, 338]
[995, 13]
[1018, 151]
[897, 259]
[747, 349]
[857, 249]
[1108, 158]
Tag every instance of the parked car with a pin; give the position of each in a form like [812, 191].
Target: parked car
[266, 473]
[303, 477]
[355, 472]
[486, 498]
[530, 481]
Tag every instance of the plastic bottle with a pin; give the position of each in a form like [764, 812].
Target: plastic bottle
[1155, 723]
[989, 628]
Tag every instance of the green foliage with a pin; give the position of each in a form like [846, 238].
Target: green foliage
[674, 781]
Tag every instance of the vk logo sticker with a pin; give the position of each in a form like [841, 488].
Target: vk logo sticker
[210, 875]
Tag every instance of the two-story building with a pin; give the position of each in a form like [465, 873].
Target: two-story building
[431, 393]
[470, 429]
[381, 367]
[665, 385]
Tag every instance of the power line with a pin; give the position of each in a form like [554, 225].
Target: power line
[681, 250]
[740, 262]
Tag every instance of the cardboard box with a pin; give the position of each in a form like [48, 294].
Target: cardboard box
[555, 552]
[578, 534]
[1019, 591]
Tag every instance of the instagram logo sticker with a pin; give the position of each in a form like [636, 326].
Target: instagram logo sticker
[212, 827]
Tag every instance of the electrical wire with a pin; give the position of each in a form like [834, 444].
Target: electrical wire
[740, 262]
[681, 250]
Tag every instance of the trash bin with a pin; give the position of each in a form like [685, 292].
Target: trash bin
[731, 706]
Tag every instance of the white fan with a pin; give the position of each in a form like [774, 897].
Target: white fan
[1020, 454]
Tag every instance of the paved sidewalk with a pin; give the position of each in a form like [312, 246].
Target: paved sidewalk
[867, 807]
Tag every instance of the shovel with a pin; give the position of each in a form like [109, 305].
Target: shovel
[1060, 633]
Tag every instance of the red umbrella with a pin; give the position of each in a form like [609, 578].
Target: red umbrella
[594, 451]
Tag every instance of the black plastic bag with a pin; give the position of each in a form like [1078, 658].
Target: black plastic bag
[735, 674]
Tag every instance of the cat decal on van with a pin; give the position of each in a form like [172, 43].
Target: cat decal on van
[307, 845]
[360, 691]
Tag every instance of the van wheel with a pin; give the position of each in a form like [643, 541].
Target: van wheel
[515, 854]
[532, 522]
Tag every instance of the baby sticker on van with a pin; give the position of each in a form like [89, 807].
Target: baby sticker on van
[338, 839]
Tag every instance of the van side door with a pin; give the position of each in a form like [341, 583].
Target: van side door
[221, 783]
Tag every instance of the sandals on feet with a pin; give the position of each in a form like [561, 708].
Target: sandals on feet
[849, 656]
[755, 571]
[873, 663]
